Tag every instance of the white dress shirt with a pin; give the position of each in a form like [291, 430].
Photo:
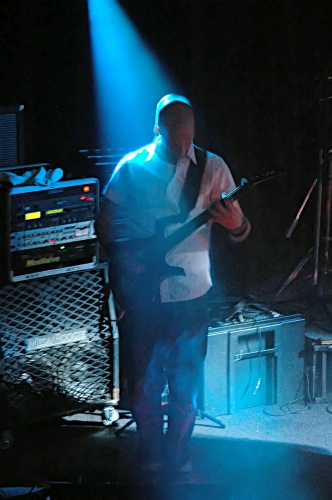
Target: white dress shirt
[149, 188]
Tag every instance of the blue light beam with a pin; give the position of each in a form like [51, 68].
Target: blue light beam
[128, 79]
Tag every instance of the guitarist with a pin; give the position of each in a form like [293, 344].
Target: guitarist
[164, 329]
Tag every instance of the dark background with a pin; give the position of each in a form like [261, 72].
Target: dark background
[257, 73]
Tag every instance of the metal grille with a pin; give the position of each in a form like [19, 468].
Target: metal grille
[55, 337]
[11, 135]
[8, 148]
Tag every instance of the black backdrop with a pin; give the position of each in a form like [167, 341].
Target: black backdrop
[256, 71]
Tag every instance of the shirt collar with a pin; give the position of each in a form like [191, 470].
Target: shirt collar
[152, 148]
[191, 154]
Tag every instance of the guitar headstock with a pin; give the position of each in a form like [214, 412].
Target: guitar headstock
[246, 184]
[257, 179]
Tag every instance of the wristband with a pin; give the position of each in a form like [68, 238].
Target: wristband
[240, 230]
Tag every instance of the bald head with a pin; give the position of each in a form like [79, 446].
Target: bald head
[176, 114]
[176, 126]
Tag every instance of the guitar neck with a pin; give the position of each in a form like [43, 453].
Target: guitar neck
[186, 230]
[190, 227]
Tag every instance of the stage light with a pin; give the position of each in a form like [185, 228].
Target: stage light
[128, 78]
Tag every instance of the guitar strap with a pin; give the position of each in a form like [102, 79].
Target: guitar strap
[192, 183]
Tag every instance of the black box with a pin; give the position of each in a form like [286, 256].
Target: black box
[318, 367]
[253, 363]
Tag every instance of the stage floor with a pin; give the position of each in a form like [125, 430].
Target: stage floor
[263, 452]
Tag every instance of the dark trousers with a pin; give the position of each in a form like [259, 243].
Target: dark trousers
[165, 344]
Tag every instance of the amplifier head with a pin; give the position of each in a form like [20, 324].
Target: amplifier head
[50, 229]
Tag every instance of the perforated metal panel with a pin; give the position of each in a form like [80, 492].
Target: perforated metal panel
[11, 135]
[57, 337]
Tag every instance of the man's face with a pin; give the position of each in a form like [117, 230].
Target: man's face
[177, 129]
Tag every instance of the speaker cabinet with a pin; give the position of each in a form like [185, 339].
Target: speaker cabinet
[253, 363]
[12, 150]
[59, 338]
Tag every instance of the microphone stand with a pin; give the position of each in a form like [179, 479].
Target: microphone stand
[328, 214]
[298, 215]
[318, 224]
[294, 274]
[316, 282]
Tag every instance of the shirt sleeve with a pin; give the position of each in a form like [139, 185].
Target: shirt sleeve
[117, 189]
[117, 192]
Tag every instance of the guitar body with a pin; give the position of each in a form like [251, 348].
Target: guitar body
[141, 267]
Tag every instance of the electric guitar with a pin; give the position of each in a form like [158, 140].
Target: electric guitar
[142, 262]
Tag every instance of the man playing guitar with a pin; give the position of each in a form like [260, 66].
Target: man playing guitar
[151, 195]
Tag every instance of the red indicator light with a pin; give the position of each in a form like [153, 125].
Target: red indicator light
[82, 198]
[86, 189]
[52, 241]
[89, 199]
